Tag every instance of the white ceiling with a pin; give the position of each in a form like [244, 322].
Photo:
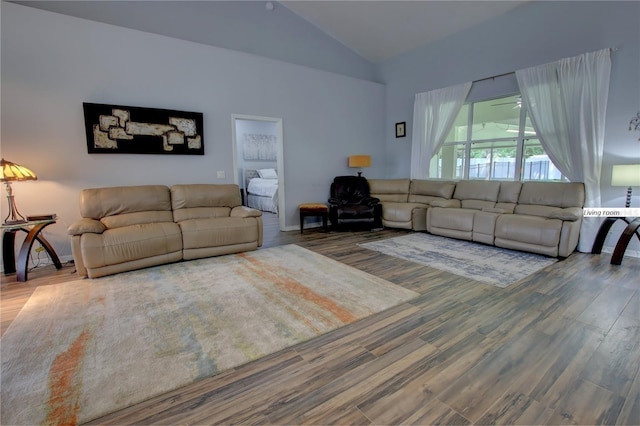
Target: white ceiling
[379, 30]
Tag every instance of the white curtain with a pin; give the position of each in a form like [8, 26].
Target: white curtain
[433, 116]
[567, 102]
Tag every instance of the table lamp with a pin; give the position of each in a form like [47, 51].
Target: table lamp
[626, 175]
[10, 172]
[359, 161]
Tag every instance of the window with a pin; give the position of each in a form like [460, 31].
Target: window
[493, 139]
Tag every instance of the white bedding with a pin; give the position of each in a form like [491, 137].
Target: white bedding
[262, 194]
[263, 187]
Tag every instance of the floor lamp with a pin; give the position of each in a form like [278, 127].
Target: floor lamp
[626, 175]
[14, 172]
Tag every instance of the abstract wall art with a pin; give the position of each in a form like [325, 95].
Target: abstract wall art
[115, 129]
[257, 147]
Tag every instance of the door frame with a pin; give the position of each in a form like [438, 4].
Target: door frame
[279, 161]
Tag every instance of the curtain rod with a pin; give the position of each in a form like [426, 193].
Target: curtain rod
[493, 77]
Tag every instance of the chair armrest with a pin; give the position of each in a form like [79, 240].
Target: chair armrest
[371, 201]
[84, 226]
[244, 211]
[335, 201]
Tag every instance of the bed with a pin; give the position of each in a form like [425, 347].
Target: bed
[262, 189]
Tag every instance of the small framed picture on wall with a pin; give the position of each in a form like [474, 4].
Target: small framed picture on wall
[401, 130]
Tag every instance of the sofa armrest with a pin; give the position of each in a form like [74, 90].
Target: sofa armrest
[244, 211]
[452, 203]
[85, 225]
[570, 213]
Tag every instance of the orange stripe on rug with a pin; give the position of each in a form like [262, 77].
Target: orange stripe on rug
[294, 287]
[64, 392]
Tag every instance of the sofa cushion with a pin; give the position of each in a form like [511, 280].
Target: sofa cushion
[477, 190]
[557, 194]
[125, 244]
[529, 229]
[458, 219]
[400, 212]
[391, 190]
[96, 203]
[425, 191]
[509, 192]
[201, 201]
[199, 233]
[126, 219]
[205, 195]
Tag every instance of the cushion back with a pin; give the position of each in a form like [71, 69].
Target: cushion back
[390, 190]
[424, 191]
[197, 201]
[127, 205]
[556, 194]
[350, 189]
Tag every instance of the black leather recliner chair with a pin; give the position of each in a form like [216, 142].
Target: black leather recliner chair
[351, 206]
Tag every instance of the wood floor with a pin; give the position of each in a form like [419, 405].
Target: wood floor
[560, 347]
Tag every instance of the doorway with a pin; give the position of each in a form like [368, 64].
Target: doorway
[258, 144]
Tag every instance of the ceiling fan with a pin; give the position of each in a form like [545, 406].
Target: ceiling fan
[516, 104]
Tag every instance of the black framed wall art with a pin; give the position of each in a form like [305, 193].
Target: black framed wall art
[116, 129]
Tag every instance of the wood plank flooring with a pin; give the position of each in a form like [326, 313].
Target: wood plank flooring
[560, 347]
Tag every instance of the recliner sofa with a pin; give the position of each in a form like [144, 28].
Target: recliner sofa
[538, 217]
[131, 227]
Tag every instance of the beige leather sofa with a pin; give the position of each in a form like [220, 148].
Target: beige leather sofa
[538, 217]
[405, 201]
[132, 227]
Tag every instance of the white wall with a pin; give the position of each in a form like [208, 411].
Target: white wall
[52, 63]
[538, 33]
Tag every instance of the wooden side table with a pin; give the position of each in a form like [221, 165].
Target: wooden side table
[33, 229]
[314, 209]
[623, 241]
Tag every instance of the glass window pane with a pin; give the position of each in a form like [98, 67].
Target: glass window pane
[493, 160]
[536, 165]
[458, 132]
[448, 163]
[496, 118]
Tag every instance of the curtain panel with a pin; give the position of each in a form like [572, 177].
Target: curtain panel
[567, 103]
[433, 115]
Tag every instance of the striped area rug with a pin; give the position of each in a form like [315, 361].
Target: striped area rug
[82, 349]
[497, 266]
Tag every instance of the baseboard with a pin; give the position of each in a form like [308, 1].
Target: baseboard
[630, 253]
[46, 262]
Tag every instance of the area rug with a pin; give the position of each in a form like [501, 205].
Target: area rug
[82, 349]
[491, 265]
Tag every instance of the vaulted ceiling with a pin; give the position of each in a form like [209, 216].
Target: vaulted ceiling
[375, 30]
[379, 30]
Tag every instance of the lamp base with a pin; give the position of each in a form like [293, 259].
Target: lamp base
[14, 215]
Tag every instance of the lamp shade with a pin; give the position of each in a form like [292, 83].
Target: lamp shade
[625, 175]
[11, 171]
[359, 161]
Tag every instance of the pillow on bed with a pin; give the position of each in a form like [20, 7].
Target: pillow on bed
[267, 173]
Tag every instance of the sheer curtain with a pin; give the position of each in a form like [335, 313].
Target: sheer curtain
[433, 115]
[567, 102]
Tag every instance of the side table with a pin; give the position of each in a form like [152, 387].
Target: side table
[623, 240]
[33, 229]
[314, 209]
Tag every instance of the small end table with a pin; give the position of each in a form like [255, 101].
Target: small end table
[314, 209]
[623, 240]
[33, 229]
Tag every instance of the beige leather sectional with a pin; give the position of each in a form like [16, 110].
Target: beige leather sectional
[132, 227]
[538, 217]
